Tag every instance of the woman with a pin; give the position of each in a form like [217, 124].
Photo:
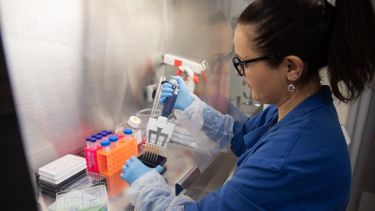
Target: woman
[293, 155]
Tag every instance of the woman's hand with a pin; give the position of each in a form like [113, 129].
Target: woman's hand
[184, 99]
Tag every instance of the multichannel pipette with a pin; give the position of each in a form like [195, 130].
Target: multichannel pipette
[160, 130]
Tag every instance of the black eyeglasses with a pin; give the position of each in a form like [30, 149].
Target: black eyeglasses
[240, 65]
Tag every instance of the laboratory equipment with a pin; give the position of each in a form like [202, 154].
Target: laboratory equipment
[190, 68]
[128, 134]
[62, 168]
[94, 136]
[184, 99]
[144, 116]
[99, 138]
[106, 145]
[88, 142]
[109, 132]
[81, 180]
[119, 129]
[60, 171]
[157, 96]
[111, 160]
[113, 140]
[85, 180]
[91, 198]
[105, 134]
[90, 155]
[170, 101]
[152, 163]
[51, 189]
[94, 146]
[160, 130]
[134, 123]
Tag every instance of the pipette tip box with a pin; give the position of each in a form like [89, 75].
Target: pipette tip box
[61, 169]
[60, 174]
[152, 163]
[82, 179]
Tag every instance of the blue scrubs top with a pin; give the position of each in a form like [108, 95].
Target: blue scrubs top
[299, 163]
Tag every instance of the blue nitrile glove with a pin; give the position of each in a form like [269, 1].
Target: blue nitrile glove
[184, 99]
[134, 168]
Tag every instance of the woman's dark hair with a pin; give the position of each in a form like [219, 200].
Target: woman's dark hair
[340, 37]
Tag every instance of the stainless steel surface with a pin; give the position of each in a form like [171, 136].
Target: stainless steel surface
[43, 48]
[213, 177]
[79, 66]
[186, 179]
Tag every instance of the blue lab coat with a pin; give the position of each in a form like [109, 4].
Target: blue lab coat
[299, 163]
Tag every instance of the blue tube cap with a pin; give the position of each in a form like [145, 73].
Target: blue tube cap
[98, 137]
[113, 138]
[128, 131]
[109, 132]
[105, 143]
[103, 133]
[92, 139]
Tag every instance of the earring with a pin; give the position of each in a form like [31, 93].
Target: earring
[291, 87]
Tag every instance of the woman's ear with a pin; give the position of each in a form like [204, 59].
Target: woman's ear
[295, 67]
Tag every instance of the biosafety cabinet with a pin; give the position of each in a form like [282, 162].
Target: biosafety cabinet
[72, 68]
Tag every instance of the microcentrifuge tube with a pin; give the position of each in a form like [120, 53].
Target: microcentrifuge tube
[113, 140]
[93, 143]
[103, 133]
[99, 138]
[128, 134]
[106, 145]
[88, 142]
[109, 133]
